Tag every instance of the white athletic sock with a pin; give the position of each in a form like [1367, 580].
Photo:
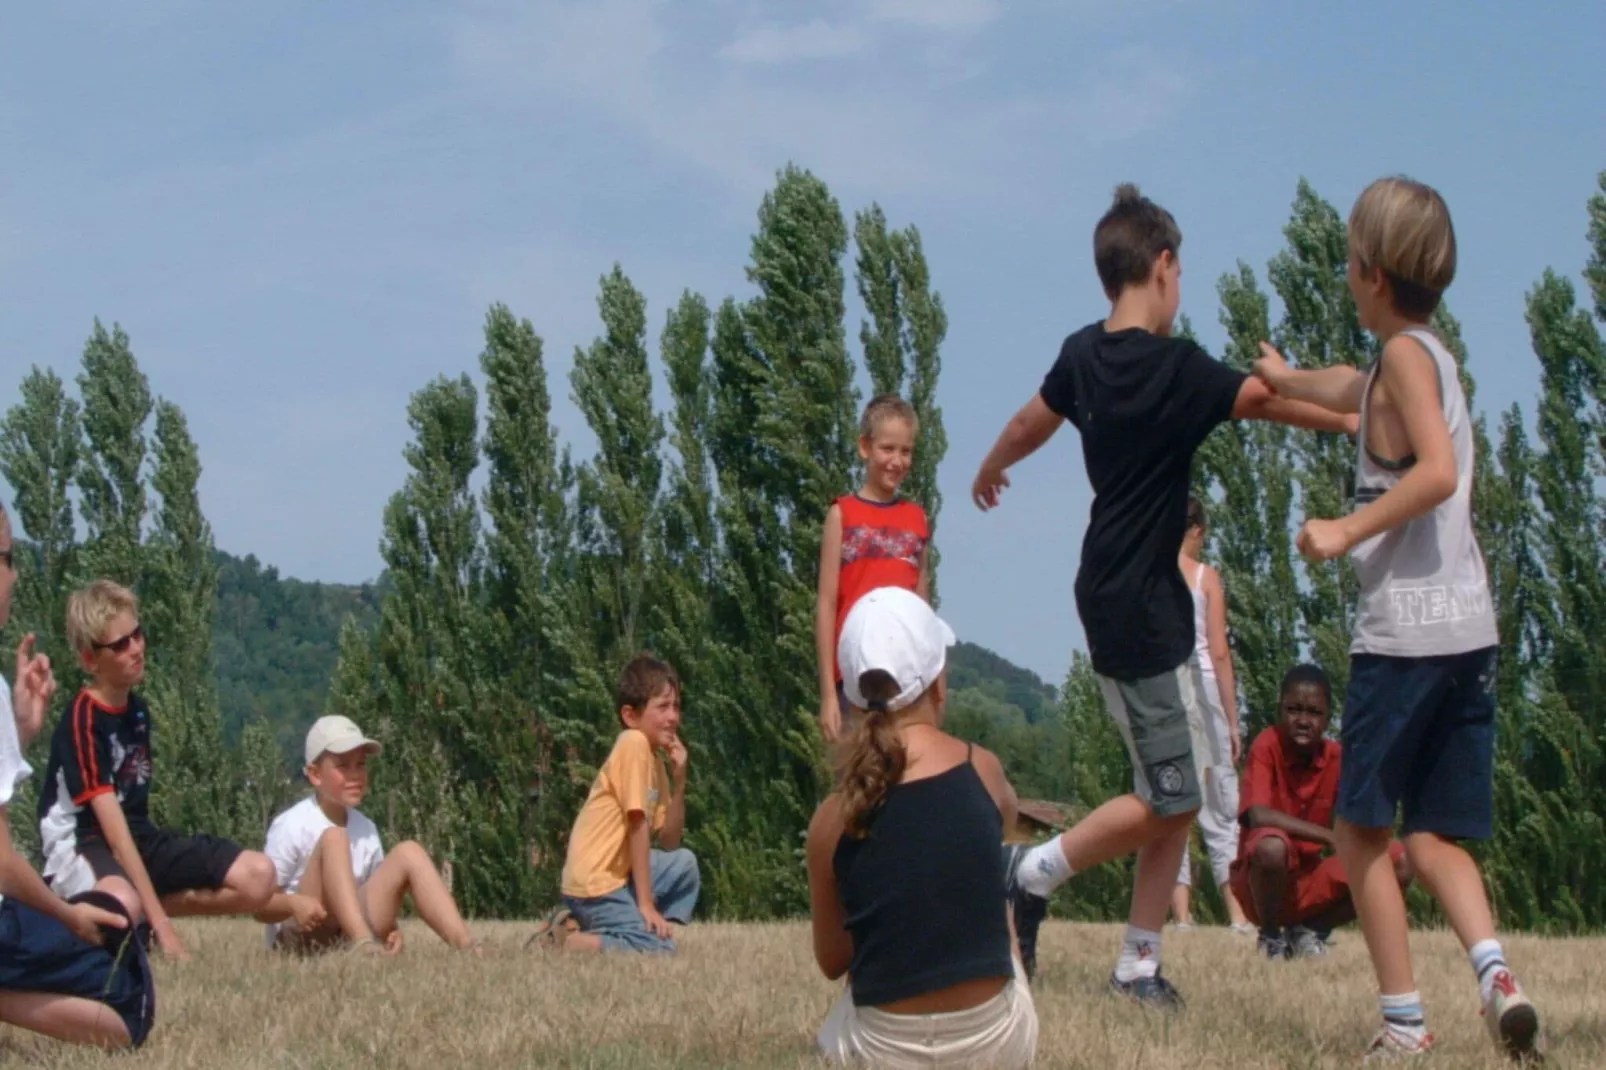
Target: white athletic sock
[1402, 1015]
[1487, 962]
[1044, 868]
[1140, 955]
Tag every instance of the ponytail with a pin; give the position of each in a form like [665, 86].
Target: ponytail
[875, 757]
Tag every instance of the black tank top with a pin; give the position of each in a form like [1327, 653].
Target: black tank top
[924, 890]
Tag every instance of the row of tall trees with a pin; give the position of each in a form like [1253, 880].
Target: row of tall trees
[518, 578]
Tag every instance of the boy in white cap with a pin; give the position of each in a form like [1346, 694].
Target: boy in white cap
[336, 883]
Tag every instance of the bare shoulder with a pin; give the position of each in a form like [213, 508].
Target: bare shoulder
[827, 821]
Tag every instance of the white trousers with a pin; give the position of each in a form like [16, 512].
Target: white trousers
[1000, 1034]
[1218, 817]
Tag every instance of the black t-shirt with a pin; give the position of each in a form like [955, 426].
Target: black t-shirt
[96, 750]
[1143, 404]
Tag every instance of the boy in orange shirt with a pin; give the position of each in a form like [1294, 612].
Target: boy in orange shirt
[624, 893]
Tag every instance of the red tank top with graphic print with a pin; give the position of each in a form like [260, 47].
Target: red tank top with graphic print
[883, 544]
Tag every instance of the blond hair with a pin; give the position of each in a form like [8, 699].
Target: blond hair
[91, 608]
[883, 408]
[1402, 227]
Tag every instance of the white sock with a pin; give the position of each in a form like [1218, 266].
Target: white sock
[1140, 955]
[1487, 962]
[1044, 868]
[1402, 1015]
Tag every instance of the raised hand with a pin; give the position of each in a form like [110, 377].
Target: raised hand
[988, 488]
[1271, 367]
[1323, 540]
[35, 688]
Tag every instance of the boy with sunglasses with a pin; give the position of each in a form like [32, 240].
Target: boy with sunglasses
[94, 805]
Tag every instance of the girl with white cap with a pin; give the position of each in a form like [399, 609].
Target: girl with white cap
[904, 866]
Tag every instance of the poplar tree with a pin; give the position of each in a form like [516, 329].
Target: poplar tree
[111, 478]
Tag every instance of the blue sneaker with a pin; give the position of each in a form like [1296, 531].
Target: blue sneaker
[1154, 992]
[1030, 910]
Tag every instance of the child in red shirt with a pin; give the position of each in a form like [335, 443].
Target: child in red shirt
[872, 538]
[1290, 787]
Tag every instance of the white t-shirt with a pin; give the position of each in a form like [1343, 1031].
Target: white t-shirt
[13, 769]
[293, 837]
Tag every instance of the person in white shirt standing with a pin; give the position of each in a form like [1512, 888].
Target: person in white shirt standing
[336, 883]
[1218, 691]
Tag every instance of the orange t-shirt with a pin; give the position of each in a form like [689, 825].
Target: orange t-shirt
[632, 779]
[883, 544]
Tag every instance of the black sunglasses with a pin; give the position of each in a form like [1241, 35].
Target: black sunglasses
[118, 646]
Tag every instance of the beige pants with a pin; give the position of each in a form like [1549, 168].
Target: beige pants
[1000, 1034]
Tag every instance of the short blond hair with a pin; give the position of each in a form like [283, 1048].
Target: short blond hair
[91, 608]
[1403, 227]
[887, 407]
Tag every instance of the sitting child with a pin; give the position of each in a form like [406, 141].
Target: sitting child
[1290, 788]
[904, 866]
[94, 820]
[73, 971]
[623, 893]
[337, 884]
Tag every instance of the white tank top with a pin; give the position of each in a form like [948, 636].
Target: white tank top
[1424, 590]
[1201, 625]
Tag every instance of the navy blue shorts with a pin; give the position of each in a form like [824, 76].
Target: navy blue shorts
[1419, 736]
[40, 954]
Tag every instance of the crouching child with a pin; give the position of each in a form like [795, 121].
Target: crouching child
[623, 892]
[337, 886]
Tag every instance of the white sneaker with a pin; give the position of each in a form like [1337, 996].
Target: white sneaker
[1512, 1021]
[1387, 1046]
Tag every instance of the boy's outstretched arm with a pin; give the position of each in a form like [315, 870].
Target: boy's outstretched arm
[1337, 389]
[1023, 436]
[1411, 378]
[1256, 401]
[114, 827]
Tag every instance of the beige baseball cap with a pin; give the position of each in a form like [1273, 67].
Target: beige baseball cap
[336, 735]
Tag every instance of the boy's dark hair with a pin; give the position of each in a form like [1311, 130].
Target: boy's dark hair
[1196, 513]
[1307, 674]
[641, 681]
[1128, 239]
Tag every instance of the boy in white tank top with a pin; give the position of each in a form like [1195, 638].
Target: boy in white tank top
[1419, 715]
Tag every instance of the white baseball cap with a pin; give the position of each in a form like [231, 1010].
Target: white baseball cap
[894, 630]
[336, 735]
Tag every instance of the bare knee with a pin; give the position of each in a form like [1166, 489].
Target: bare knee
[121, 890]
[1403, 871]
[1270, 855]
[254, 878]
[334, 838]
[412, 853]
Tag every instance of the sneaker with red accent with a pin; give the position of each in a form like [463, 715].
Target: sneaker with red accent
[1388, 1045]
[1511, 1019]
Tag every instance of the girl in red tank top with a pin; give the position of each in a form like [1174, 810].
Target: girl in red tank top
[872, 538]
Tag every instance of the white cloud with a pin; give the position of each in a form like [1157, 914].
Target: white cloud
[816, 39]
[938, 14]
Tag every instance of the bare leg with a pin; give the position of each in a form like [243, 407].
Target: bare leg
[330, 881]
[1235, 909]
[1379, 904]
[70, 1018]
[407, 868]
[247, 887]
[1268, 881]
[1181, 908]
[121, 890]
[1453, 878]
[585, 943]
[1118, 828]
[1158, 861]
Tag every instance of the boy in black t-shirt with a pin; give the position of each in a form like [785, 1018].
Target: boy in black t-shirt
[1143, 402]
[94, 820]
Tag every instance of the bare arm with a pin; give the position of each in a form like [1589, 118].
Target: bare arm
[1023, 436]
[991, 771]
[833, 944]
[639, 842]
[19, 881]
[1337, 389]
[825, 620]
[674, 829]
[1221, 653]
[114, 827]
[923, 587]
[1266, 817]
[1256, 401]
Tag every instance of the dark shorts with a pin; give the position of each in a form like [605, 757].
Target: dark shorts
[1162, 722]
[174, 863]
[1419, 737]
[40, 954]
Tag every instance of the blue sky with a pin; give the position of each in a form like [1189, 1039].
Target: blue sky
[301, 211]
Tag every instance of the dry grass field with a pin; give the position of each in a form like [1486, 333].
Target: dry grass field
[748, 995]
